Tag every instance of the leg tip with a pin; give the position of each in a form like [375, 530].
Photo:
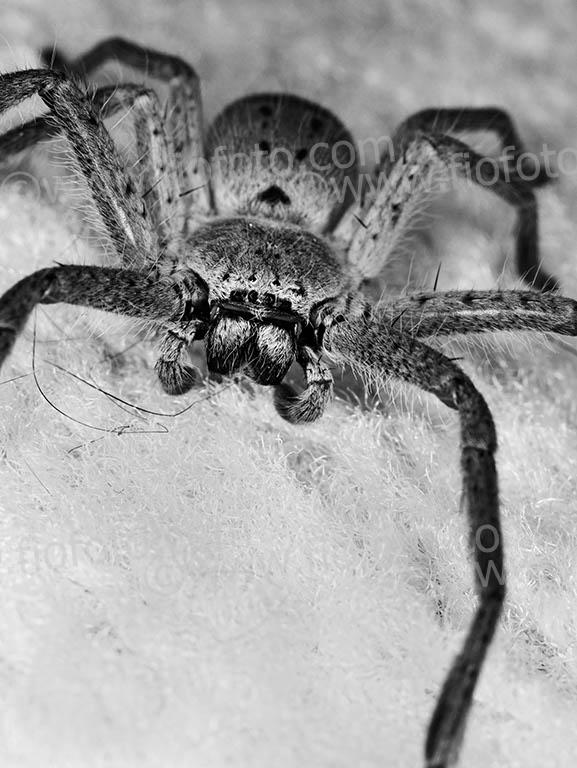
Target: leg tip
[175, 379]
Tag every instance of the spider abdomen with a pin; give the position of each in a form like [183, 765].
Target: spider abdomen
[281, 157]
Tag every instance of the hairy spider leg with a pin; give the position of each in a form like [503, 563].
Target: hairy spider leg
[183, 106]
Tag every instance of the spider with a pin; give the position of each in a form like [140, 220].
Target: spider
[244, 238]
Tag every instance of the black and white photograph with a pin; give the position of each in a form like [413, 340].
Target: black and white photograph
[288, 375]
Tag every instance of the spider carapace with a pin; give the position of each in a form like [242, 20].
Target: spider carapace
[281, 170]
[257, 238]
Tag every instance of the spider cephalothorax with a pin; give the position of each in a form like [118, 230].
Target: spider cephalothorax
[266, 306]
[259, 240]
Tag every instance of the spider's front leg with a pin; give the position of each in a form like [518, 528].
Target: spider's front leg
[375, 348]
[112, 190]
[156, 176]
[423, 164]
[174, 301]
[127, 219]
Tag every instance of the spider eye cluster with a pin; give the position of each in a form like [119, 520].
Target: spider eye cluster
[265, 299]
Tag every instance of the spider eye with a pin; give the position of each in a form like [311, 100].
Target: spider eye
[273, 196]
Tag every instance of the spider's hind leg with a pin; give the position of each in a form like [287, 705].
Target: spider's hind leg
[421, 166]
[459, 120]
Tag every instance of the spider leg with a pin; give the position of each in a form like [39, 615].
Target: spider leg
[309, 404]
[175, 376]
[183, 105]
[165, 300]
[156, 175]
[424, 165]
[112, 189]
[23, 137]
[513, 191]
[460, 312]
[486, 119]
[155, 168]
[375, 348]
